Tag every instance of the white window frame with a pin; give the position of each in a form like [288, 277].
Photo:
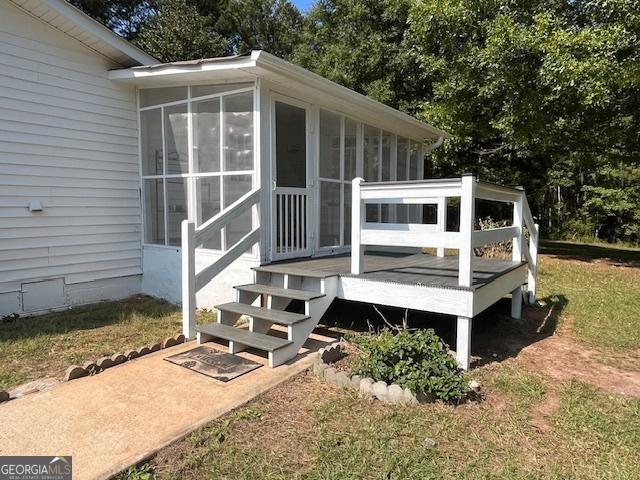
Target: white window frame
[191, 176]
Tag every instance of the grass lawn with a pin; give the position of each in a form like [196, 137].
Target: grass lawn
[46, 345]
[599, 287]
[528, 425]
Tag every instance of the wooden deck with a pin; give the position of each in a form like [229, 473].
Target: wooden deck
[418, 269]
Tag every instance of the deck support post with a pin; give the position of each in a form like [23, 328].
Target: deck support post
[188, 279]
[442, 221]
[357, 224]
[467, 226]
[463, 342]
[516, 303]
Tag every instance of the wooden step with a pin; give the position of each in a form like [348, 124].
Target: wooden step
[280, 292]
[283, 268]
[245, 337]
[276, 316]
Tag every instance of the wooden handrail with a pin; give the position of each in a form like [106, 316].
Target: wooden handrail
[192, 282]
[205, 231]
[434, 191]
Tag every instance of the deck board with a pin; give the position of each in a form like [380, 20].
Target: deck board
[416, 269]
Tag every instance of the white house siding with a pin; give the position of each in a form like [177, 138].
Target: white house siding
[68, 139]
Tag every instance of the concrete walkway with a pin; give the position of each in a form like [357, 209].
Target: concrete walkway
[110, 421]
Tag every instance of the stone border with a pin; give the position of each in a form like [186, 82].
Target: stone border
[366, 386]
[100, 365]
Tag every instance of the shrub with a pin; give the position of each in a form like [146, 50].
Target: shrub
[417, 360]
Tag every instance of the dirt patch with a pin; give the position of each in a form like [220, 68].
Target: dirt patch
[541, 413]
[562, 357]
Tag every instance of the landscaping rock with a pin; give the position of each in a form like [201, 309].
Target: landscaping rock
[395, 394]
[4, 396]
[105, 362]
[91, 367]
[154, 347]
[409, 397]
[474, 386]
[330, 375]
[355, 382]
[342, 379]
[170, 342]
[430, 442]
[366, 386]
[143, 351]
[380, 390]
[131, 354]
[118, 358]
[73, 372]
[318, 369]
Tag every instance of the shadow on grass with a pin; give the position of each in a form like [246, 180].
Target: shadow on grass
[495, 335]
[85, 317]
[591, 252]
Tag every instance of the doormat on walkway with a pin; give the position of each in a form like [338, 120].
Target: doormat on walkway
[213, 363]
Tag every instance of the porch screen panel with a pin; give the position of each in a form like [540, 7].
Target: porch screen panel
[371, 166]
[206, 136]
[151, 142]
[217, 170]
[330, 208]
[176, 139]
[154, 210]
[238, 131]
[176, 208]
[350, 155]
[234, 187]
[386, 173]
[402, 168]
[415, 211]
[330, 179]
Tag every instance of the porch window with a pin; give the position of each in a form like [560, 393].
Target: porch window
[388, 157]
[337, 167]
[198, 145]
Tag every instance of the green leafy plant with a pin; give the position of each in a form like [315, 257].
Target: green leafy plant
[417, 360]
[137, 472]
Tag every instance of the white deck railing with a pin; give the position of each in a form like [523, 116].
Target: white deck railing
[193, 237]
[436, 192]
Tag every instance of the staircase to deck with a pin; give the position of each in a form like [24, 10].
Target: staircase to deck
[274, 291]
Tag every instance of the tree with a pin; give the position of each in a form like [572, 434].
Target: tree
[271, 25]
[361, 45]
[178, 32]
[538, 93]
[125, 17]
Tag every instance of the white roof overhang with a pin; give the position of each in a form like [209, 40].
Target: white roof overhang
[292, 80]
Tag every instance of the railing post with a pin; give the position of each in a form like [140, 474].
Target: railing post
[357, 224]
[518, 221]
[467, 226]
[533, 269]
[442, 221]
[517, 251]
[188, 279]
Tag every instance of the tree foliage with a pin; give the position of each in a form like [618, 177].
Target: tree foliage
[178, 32]
[541, 93]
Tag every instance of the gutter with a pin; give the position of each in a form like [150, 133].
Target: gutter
[436, 144]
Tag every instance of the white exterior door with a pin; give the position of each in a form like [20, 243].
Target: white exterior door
[291, 204]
